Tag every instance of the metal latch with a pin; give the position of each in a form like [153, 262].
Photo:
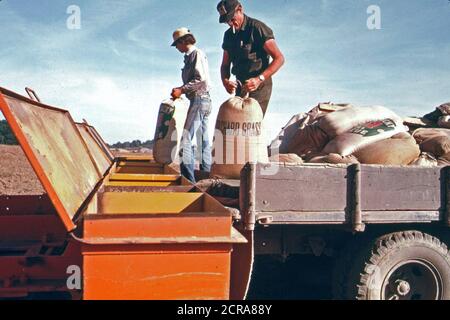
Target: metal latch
[265, 219]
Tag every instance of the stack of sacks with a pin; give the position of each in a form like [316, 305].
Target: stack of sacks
[434, 144]
[371, 135]
[301, 128]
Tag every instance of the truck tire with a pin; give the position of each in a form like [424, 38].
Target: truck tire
[408, 265]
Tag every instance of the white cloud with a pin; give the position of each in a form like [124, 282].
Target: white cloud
[138, 36]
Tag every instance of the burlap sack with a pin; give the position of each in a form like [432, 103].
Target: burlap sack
[280, 144]
[437, 146]
[333, 159]
[445, 109]
[441, 111]
[311, 155]
[339, 122]
[444, 122]
[310, 139]
[290, 158]
[332, 107]
[444, 160]
[239, 138]
[285, 140]
[389, 152]
[402, 135]
[415, 122]
[427, 133]
[169, 130]
[364, 135]
[425, 160]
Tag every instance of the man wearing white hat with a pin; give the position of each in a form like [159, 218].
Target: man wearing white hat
[196, 86]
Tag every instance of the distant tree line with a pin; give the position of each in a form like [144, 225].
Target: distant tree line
[134, 144]
[6, 135]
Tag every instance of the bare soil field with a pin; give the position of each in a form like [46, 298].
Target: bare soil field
[18, 178]
[137, 152]
[16, 174]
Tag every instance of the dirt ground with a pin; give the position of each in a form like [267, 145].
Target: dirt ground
[137, 152]
[16, 175]
[18, 178]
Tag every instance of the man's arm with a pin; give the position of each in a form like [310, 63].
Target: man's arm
[272, 50]
[278, 60]
[225, 73]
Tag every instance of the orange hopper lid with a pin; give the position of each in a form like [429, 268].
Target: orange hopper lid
[55, 147]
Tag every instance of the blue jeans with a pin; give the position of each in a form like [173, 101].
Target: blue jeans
[196, 126]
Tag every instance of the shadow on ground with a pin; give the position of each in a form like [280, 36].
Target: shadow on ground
[297, 278]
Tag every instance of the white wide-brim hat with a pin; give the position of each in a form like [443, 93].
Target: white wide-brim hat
[180, 33]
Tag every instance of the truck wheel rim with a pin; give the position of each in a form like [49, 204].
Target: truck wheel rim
[412, 280]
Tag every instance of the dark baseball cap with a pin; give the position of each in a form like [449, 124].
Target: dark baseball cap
[226, 9]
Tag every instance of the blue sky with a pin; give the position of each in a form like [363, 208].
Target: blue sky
[119, 66]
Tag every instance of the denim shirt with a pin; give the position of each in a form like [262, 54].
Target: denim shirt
[195, 74]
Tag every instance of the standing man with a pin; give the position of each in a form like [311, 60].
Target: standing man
[248, 45]
[196, 86]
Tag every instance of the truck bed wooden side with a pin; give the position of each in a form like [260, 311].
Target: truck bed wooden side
[339, 194]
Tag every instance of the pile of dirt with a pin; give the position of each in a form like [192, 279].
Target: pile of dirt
[16, 175]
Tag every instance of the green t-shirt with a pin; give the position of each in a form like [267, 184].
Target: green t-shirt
[246, 48]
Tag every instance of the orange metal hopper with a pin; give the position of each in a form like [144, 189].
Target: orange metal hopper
[145, 232]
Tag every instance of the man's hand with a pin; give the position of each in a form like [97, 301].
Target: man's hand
[252, 84]
[230, 86]
[176, 93]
